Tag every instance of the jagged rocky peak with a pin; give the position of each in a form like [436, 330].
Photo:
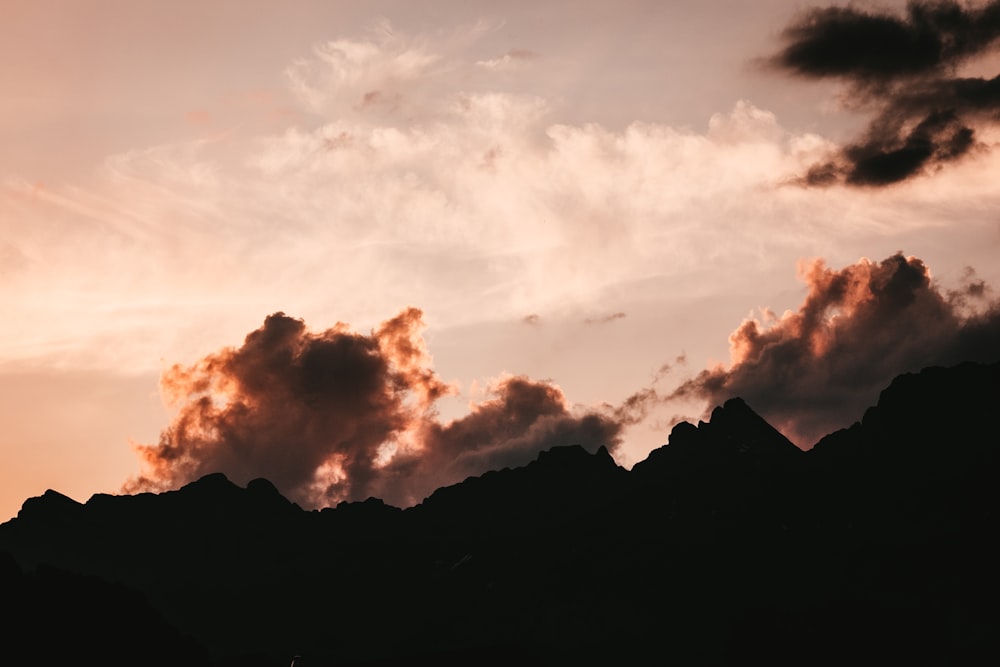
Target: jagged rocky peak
[746, 430]
[51, 505]
[371, 506]
[259, 498]
[937, 416]
[734, 431]
[568, 472]
[575, 456]
[957, 397]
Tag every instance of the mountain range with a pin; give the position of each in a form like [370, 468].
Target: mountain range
[727, 546]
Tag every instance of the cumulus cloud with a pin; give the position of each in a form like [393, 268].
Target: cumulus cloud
[904, 69]
[524, 418]
[815, 369]
[338, 415]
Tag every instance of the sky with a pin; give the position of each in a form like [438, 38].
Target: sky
[369, 248]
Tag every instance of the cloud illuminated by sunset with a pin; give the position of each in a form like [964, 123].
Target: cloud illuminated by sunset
[338, 415]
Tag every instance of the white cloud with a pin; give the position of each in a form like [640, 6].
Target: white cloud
[513, 59]
[453, 191]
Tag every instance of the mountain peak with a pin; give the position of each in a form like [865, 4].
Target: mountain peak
[215, 480]
[50, 506]
[262, 487]
[738, 420]
[574, 456]
[567, 472]
[734, 431]
[936, 414]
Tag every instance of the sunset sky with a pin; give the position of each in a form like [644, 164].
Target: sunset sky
[491, 228]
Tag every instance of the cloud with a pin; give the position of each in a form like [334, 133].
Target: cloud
[605, 319]
[524, 418]
[361, 71]
[904, 70]
[666, 368]
[338, 415]
[876, 47]
[815, 369]
[407, 168]
[475, 197]
[512, 58]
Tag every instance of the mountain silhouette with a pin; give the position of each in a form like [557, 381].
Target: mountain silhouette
[727, 546]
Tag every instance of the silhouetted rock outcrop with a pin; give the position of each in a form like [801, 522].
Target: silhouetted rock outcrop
[726, 546]
[735, 433]
[733, 473]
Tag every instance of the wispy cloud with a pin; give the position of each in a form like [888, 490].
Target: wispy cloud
[468, 196]
[511, 59]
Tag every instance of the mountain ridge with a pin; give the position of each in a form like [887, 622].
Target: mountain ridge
[876, 522]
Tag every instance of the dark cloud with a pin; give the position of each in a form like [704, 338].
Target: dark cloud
[338, 415]
[524, 418]
[873, 46]
[902, 68]
[972, 290]
[816, 369]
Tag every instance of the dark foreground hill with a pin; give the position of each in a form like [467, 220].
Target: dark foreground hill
[728, 546]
